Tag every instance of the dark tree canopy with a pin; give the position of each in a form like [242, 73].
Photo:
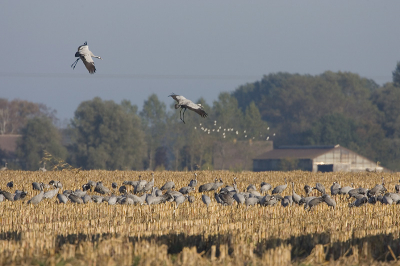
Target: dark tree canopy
[38, 135]
[108, 136]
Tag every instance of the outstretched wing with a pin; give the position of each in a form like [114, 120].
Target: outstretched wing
[178, 98]
[196, 108]
[89, 63]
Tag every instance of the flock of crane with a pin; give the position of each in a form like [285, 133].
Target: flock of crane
[143, 192]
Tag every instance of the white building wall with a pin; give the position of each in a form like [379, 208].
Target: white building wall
[344, 160]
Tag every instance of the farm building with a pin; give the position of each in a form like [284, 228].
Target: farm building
[313, 158]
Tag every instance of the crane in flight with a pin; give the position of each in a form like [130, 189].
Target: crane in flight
[184, 104]
[85, 55]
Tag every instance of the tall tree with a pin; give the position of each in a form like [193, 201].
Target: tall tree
[107, 136]
[396, 75]
[38, 135]
[154, 123]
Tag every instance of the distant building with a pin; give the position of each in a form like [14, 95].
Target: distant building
[313, 158]
[8, 146]
[238, 155]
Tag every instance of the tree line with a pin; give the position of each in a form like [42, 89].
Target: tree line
[110, 135]
[330, 108]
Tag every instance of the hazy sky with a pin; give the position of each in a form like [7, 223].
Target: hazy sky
[193, 48]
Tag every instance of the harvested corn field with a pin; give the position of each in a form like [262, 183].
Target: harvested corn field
[52, 233]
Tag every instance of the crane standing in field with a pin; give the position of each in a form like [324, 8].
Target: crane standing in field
[85, 55]
[184, 104]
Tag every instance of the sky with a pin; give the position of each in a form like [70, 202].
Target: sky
[192, 48]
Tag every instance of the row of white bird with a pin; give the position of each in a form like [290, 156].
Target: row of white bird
[144, 192]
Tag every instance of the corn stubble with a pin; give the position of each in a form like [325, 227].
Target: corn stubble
[102, 234]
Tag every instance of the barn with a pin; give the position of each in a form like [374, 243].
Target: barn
[315, 159]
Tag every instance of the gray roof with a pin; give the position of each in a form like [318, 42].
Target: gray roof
[298, 152]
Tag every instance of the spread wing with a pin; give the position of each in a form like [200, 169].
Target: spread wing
[196, 108]
[178, 98]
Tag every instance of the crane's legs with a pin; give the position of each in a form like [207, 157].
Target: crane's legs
[184, 116]
[180, 115]
[74, 63]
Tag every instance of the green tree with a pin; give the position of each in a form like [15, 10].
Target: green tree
[396, 75]
[255, 127]
[387, 101]
[107, 136]
[38, 135]
[154, 123]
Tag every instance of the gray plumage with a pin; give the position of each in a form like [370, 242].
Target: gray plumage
[226, 199]
[357, 192]
[168, 185]
[217, 198]
[186, 190]
[206, 187]
[287, 201]
[251, 187]
[179, 200]
[158, 192]
[56, 184]
[87, 199]
[206, 200]
[112, 200]
[9, 196]
[37, 186]
[359, 202]
[149, 185]
[100, 188]
[265, 187]
[394, 196]
[268, 201]
[255, 193]
[387, 200]
[335, 188]
[2, 197]
[397, 188]
[36, 199]
[10, 184]
[308, 189]
[217, 184]
[62, 198]
[191, 199]
[345, 190]
[20, 195]
[136, 199]
[114, 185]
[184, 104]
[314, 202]
[193, 182]
[75, 199]
[97, 198]
[329, 201]
[50, 194]
[306, 200]
[296, 198]
[79, 193]
[320, 188]
[85, 55]
[378, 189]
[280, 189]
[251, 201]
[240, 199]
